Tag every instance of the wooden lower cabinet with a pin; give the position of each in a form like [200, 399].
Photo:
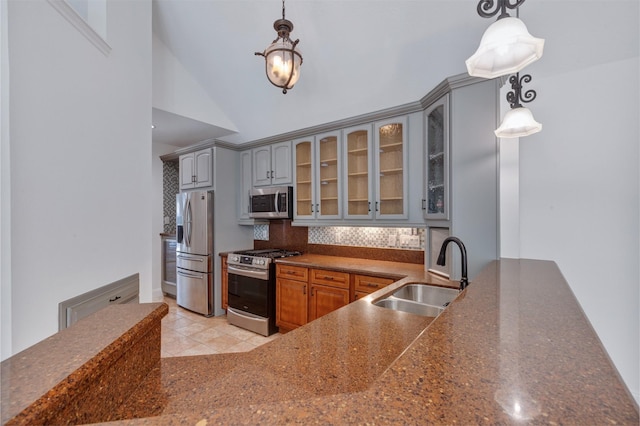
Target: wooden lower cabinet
[364, 285]
[304, 294]
[291, 297]
[324, 299]
[224, 280]
[329, 291]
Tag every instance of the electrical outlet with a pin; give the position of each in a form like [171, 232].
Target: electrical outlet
[414, 241]
[392, 240]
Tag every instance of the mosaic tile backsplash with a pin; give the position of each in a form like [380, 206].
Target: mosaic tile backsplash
[170, 187]
[404, 238]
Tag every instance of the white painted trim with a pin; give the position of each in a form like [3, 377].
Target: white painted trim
[81, 25]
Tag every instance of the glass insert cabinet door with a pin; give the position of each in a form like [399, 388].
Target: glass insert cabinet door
[437, 159]
[304, 188]
[391, 188]
[358, 188]
[328, 172]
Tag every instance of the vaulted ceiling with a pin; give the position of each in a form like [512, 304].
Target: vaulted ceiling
[359, 56]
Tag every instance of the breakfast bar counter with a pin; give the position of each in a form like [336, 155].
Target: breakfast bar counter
[514, 347]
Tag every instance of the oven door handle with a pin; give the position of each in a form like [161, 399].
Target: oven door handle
[261, 275]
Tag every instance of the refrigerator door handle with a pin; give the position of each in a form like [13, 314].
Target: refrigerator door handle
[186, 274]
[187, 222]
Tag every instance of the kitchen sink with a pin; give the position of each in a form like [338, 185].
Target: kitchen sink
[410, 307]
[429, 294]
[420, 299]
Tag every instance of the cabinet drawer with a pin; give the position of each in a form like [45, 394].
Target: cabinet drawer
[330, 278]
[297, 273]
[369, 284]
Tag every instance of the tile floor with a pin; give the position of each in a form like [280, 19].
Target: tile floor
[186, 333]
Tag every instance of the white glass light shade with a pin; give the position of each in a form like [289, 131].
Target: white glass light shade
[518, 122]
[506, 48]
[281, 62]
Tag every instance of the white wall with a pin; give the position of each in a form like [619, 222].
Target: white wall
[177, 92]
[157, 219]
[579, 192]
[80, 142]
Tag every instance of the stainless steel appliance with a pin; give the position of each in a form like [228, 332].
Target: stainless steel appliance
[274, 202]
[252, 289]
[194, 251]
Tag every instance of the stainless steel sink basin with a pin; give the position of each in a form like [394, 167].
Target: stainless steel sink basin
[410, 307]
[424, 293]
[420, 299]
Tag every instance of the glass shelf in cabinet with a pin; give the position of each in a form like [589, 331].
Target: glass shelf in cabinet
[396, 146]
[358, 151]
[391, 171]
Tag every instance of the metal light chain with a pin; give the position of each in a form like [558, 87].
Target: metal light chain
[515, 97]
[501, 6]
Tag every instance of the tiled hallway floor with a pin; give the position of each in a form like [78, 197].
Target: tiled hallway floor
[186, 333]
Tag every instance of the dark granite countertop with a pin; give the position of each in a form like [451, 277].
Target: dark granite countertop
[53, 373]
[514, 347]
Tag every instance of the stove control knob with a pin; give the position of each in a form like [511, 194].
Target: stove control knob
[233, 258]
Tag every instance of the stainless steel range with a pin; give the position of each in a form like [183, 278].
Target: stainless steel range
[252, 289]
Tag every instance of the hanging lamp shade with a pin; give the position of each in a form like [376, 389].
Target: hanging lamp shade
[282, 58]
[506, 48]
[518, 122]
[282, 62]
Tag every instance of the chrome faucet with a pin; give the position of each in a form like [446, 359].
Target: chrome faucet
[464, 281]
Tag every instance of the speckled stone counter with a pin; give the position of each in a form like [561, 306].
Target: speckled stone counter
[514, 347]
[83, 373]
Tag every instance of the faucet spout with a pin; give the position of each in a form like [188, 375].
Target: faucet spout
[464, 281]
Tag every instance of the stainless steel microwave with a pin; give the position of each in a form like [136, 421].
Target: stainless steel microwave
[273, 202]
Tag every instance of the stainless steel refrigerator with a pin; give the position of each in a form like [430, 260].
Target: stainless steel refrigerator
[194, 251]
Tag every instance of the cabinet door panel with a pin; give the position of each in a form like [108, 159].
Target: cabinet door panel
[391, 165]
[262, 166]
[304, 184]
[328, 172]
[324, 299]
[437, 160]
[281, 163]
[246, 182]
[187, 170]
[204, 171]
[358, 161]
[291, 303]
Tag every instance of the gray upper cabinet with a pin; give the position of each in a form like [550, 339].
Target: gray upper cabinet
[461, 170]
[390, 164]
[196, 169]
[317, 189]
[437, 159]
[245, 182]
[272, 165]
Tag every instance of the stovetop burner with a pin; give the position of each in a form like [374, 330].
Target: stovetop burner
[260, 258]
[269, 253]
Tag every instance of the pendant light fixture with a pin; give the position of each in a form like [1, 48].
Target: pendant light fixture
[282, 58]
[506, 46]
[518, 121]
